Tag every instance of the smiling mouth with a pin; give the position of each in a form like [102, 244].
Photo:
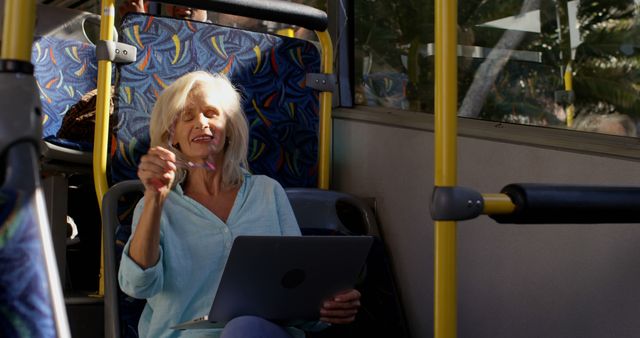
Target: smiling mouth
[202, 138]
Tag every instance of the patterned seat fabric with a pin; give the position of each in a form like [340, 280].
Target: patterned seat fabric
[25, 301]
[65, 70]
[268, 70]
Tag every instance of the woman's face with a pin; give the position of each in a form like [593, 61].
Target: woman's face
[200, 130]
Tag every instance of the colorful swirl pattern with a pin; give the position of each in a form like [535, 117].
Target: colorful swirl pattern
[25, 304]
[65, 70]
[268, 70]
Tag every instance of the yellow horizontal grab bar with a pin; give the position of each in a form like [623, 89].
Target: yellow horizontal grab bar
[497, 204]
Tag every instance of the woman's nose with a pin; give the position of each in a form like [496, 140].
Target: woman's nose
[203, 121]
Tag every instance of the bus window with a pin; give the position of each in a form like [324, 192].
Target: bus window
[542, 63]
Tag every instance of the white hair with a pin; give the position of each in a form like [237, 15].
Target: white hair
[171, 103]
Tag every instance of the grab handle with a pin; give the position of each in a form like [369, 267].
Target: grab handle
[562, 204]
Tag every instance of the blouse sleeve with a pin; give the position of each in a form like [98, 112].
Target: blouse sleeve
[134, 280]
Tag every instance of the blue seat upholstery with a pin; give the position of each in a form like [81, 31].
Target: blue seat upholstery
[25, 301]
[65, 70]
[269, 71]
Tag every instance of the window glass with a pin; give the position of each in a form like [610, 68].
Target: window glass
[566, 64]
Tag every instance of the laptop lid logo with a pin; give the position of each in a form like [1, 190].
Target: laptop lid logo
[293, 278]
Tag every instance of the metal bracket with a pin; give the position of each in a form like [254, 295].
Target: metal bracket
[117, 52]
[321, 82]
[455, 204]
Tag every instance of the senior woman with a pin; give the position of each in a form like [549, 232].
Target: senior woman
[198, 197]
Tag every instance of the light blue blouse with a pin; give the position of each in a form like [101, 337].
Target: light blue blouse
[194, 246]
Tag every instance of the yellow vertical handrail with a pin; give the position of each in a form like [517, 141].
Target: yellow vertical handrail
[446, 94]
[568, 87]
[101, 137]
[17, 30]
[324, 129]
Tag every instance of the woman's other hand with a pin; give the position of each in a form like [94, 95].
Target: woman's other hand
[342, 308]
[157, 171]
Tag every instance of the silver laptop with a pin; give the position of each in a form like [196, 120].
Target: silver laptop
[284, 279]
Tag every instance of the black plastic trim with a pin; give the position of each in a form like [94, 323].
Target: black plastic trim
[571, 204]
[16, 66]
[455, 204]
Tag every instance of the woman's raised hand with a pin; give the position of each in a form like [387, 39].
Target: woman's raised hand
[157, 171]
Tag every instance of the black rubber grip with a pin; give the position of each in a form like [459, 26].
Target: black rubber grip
[563, 204]
[273, 10]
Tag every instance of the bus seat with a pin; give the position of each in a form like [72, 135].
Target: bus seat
[319, 212]
[326, 212]
[26, 306]
[268, 70]
[64, 71]
[65, 68]
[30, 295]
[331, 212]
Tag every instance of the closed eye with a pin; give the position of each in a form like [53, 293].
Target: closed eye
[211, 112]
[186, 116]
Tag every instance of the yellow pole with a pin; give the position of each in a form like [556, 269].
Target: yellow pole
[497, 204]
[324, 146]
[568, 87]
[446, 94]
[17, 29]
[288, 32]
[101, 138]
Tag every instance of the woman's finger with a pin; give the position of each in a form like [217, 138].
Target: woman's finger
[164, 153]
[338, 313]
[156, 166]
[165, 159]
[348, 295]
[338, 320]
[159, 154]
[329, 305]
